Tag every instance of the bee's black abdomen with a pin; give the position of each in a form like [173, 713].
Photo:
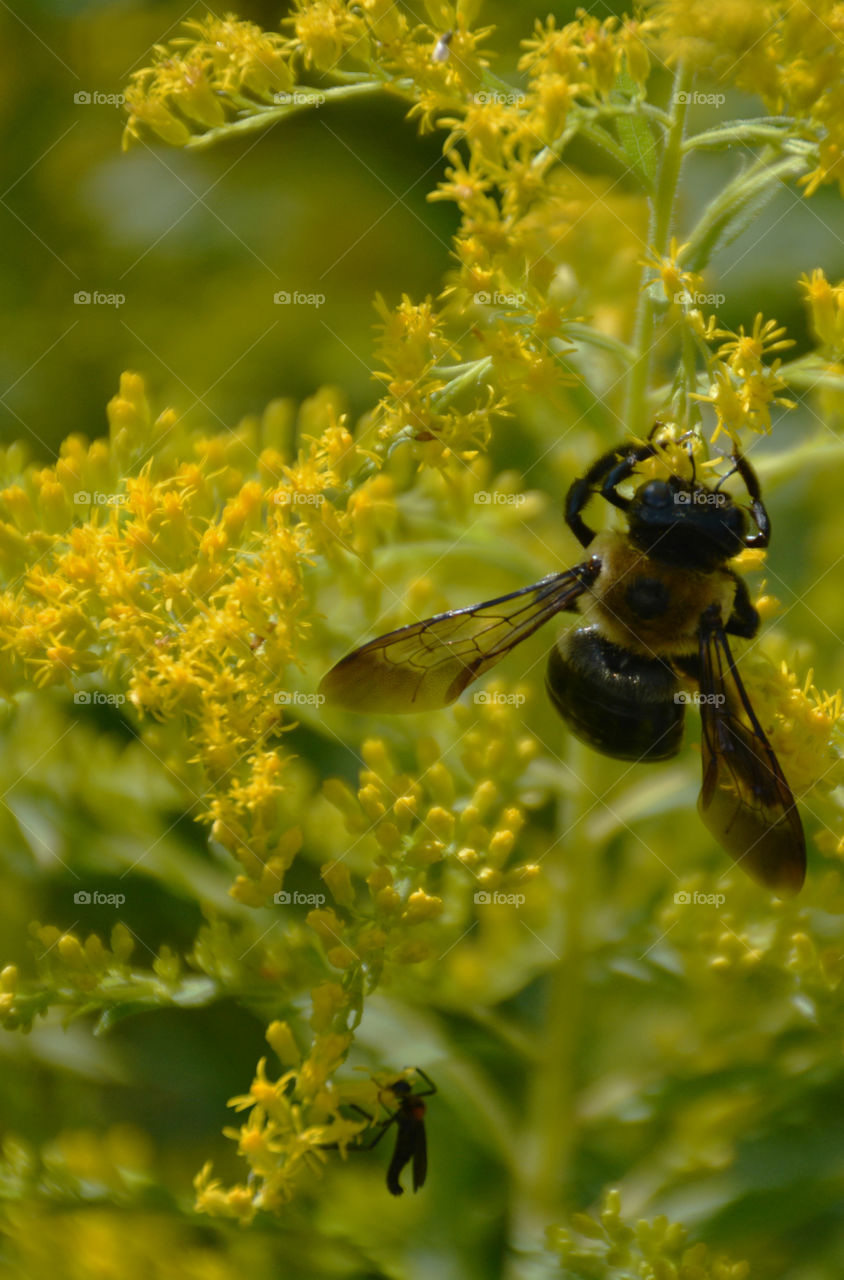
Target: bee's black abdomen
[616, 701]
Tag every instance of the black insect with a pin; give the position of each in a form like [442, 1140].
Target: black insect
[658, 603]
[411, 1142]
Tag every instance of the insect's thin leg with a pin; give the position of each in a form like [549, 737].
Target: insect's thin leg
[385, 1125]
[690, 451]
[623, 471]
[581, 491]
[757, 506]
[432, 1088]
[744, 619]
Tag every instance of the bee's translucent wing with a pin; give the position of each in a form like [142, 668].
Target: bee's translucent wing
[428, 664]
[745, 800]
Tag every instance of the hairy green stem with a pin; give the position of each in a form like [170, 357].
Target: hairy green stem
[264, 116]
[662, 214]
[546, 1152]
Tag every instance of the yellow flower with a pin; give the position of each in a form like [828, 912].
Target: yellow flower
[677, 284]
[826, 308]
[744, 352]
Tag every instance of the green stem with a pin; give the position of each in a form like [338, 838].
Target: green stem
[264, 116]
[821, 450]
[731, 204]
[636, 109]
[477, 369]
[662, 214]
[811, 371]
[741, 132]
[603, 341]
[545, 1154]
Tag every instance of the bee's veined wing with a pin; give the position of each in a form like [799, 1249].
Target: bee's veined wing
[745, 800]
[428, 664]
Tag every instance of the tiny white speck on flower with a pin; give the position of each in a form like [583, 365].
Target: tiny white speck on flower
[441, 49]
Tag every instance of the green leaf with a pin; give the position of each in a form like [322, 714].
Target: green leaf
[635, 135]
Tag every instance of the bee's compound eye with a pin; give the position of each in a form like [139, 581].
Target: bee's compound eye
[656, 493]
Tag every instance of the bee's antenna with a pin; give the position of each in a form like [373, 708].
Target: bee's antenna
[731, 472]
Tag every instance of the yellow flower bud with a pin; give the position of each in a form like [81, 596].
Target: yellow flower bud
[336, 876]
[9, 978]
[421, 906]
[281, 1039]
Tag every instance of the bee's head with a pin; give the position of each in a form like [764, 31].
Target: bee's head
[685, 523]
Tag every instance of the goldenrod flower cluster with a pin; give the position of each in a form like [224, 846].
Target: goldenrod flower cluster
[790, 54]
[655, 1250]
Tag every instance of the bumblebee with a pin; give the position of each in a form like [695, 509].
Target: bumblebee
[658, 602]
